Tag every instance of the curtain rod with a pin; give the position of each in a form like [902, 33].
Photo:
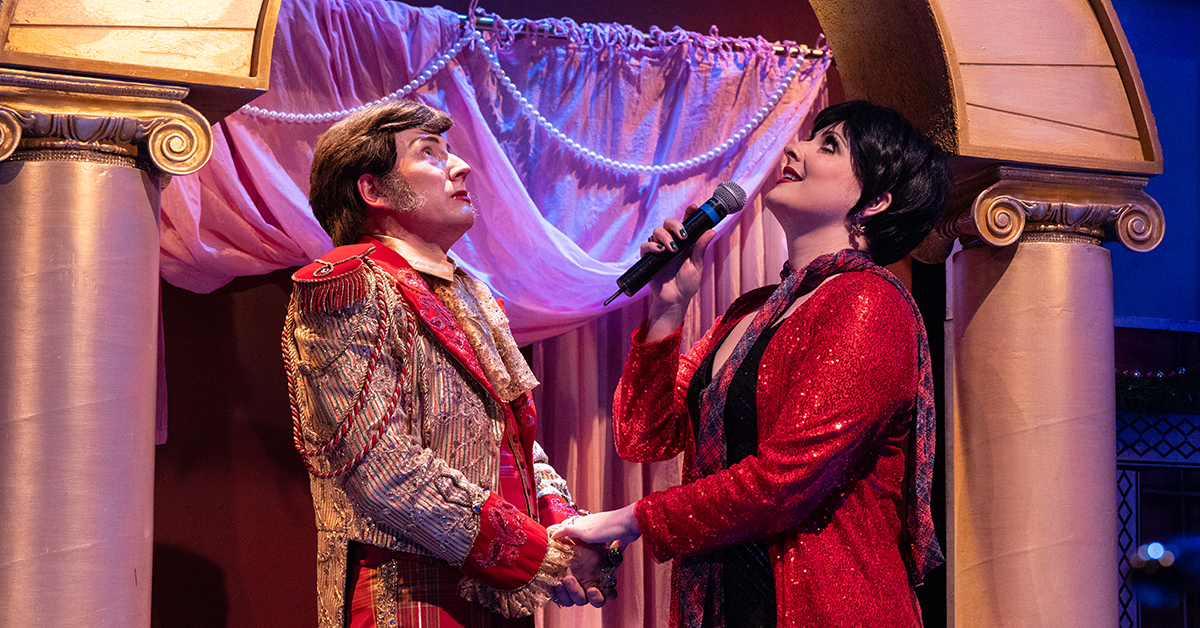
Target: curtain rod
[799, 50]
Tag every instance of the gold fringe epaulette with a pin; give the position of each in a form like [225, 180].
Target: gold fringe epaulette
[328, 286]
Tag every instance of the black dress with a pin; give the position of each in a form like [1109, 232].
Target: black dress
[746, 578]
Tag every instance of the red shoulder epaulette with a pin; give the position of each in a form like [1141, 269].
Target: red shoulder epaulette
[334, 281]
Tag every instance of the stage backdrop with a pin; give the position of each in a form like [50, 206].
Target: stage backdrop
[579, 147]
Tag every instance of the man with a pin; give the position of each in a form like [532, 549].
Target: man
[411, 401]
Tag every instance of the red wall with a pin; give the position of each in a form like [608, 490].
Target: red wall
[234, 538]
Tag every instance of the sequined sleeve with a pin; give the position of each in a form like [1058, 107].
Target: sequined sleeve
[650, 420]
[842, 373]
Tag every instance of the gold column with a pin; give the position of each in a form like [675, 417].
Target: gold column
[1032, 467]
[84, 162]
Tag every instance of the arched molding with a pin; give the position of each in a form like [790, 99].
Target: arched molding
[1035, 82]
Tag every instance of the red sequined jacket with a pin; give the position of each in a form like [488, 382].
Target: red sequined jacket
[835, 401]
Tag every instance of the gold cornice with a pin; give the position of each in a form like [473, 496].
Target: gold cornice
[1068, 95]
[47, 112]
[220, 51]
[1006, 204]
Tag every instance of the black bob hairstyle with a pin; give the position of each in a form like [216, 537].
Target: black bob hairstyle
[890, 155]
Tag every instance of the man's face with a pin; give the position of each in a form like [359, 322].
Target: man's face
[437, 207]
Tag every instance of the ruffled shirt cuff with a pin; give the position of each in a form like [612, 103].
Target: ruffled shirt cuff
[513, 563]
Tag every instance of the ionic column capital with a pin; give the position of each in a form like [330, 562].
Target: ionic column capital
[44, 115]
[1006, 204]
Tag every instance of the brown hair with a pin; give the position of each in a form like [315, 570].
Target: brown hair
[364, 143]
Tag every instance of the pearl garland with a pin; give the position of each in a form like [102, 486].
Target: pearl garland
[471, 35]
[596, 159]
[333, 116]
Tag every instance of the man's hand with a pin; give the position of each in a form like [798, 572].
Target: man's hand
[585, 583]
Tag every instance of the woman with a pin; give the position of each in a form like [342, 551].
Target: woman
[805, 414]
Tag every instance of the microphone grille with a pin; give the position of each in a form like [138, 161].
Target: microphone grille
[731, 196]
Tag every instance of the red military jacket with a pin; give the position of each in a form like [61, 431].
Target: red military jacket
[405, 439]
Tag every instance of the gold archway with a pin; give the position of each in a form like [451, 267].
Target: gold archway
[1042, 82]
[1039, 100]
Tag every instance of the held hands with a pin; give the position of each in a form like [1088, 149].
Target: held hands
[619, 526]
[589, 579]
[598, 541]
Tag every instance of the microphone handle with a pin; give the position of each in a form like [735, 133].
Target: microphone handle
[640, 274]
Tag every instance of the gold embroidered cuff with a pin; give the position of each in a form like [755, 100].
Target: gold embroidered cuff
[522, 601]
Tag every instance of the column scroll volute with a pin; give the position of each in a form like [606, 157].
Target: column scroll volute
[1006, 204]
[1139, 224]
[46, 112]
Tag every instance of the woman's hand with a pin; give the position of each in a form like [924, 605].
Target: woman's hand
[607, 531]
[603, 527]
[675, 285]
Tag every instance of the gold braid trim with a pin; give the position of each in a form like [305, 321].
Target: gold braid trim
[333, 294]
[331, 289]
[524, 600]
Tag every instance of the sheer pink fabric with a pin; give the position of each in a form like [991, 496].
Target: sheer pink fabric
[554, 229]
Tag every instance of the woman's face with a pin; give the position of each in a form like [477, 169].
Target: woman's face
[817, 185]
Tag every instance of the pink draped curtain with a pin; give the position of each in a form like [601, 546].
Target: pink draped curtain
[579, 147]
